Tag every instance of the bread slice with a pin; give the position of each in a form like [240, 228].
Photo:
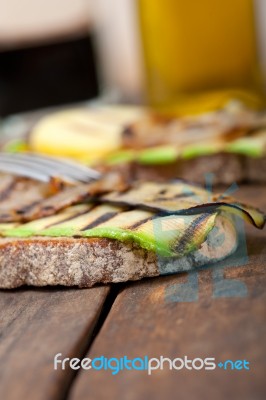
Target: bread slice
[225, 169]
[229, 143]
[147, 230]
[83, 262]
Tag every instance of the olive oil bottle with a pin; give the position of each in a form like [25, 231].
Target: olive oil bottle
[199, 54]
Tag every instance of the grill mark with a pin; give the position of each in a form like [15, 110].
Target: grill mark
[28, 207]
[139, 223]
[185, 238]
[159, 196]
[187, 194]
[100, 220]
[5, 193]
[69, 218]
[174, 197]
[128, 132]
[127, 206]
[159, 208]
[7, 217]
[54, 203]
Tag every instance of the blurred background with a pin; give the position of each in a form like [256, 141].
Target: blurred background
[63, 51]
[55, 52]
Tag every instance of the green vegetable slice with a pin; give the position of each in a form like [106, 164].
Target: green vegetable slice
[171, 219]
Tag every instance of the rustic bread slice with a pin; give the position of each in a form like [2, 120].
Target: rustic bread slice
[147, 230]
[229, 143]
[83, 262]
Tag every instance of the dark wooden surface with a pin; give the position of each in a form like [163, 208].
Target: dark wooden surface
[37, 324]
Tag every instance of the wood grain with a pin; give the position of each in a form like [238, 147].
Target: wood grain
[34, 326]
[143, 322]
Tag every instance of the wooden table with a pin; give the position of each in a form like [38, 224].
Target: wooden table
[135, 320]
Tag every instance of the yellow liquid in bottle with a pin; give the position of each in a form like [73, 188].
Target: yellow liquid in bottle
[199, 54]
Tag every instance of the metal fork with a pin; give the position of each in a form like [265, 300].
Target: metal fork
[43, 168]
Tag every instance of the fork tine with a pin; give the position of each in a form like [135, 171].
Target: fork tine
[20, 165]
[43, 167]
[64, 165]
[22, 170]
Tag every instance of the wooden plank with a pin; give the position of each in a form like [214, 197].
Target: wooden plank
[36, 324]
[143, 322]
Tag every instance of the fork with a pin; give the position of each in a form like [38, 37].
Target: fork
[44, 168]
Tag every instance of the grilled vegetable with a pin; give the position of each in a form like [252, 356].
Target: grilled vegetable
[168, 235]
[173, 219]
[183, 199]
[31, 201]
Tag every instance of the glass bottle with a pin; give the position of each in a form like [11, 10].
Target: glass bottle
[199, 54]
